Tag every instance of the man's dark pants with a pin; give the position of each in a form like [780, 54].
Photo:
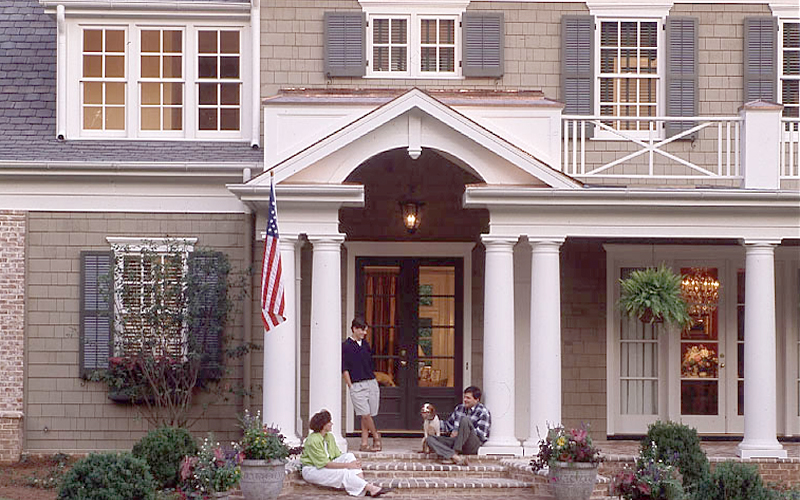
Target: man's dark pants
[466, 443]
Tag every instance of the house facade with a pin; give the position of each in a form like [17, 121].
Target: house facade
[474, 178]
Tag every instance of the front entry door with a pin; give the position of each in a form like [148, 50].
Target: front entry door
[414, 308]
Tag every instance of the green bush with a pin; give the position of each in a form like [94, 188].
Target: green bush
[108, 476]
[163, 449]
[678, 445]
[734, 481]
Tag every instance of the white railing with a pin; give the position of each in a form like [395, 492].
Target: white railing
[717, 137]
[790, 148]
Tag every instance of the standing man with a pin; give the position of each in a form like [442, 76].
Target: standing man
[359, 375]
[468, 428]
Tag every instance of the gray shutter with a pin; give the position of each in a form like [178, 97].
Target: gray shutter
[207, 309]
[760, 58]
[681, 78]
[483, 41]
[577, 66]
[345, 47]
[96, 311]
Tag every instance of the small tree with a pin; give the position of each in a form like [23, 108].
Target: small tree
[171, 307]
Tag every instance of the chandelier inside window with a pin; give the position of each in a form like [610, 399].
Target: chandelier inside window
[700, 289]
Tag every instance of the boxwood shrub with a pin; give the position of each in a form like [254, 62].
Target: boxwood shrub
[163, 449]
[678, 445]
[108, 476]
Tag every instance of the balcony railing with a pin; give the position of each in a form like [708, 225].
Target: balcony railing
[790, 148]
[637, 148]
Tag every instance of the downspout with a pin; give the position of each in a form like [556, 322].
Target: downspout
[61, 72]
[298, 283]
[255, 78]
[247, 308]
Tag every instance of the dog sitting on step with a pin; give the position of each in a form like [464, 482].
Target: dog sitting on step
[430, 425]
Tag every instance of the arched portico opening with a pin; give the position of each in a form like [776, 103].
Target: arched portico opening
[432, 179]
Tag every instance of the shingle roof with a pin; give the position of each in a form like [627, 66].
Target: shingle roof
[28, 104]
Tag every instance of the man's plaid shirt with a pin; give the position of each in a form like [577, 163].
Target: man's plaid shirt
[479, 415]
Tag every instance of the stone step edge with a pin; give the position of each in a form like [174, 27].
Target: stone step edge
[450, 483]
[432, 457]
[429, 467]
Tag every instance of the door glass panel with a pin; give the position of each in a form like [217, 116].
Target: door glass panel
[436, 332]
[638, 370]
[380, 294]
[740, 340]
[700, 354]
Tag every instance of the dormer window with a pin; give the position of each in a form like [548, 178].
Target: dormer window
[137, 80]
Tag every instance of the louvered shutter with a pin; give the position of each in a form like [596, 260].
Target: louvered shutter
[760, 58]
[96, 311]
[483, 41]
[345, 47]
[207, 309]
[577, 66]
[681, 78]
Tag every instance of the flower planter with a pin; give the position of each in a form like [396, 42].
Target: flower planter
[262, 479]
[221, 495]
[572, 480]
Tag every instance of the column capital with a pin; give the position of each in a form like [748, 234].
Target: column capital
[760, 242]
[289, 239]
[316, 239]
[546, 244]
[495, 240]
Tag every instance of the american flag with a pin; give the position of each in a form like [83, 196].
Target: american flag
[272, 301]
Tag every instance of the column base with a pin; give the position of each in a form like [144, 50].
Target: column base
[10, 436]
[293, 441]
[761, 450]
[530, 447]
[515, 450]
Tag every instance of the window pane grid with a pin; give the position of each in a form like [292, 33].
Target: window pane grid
[162, 83]
[437, 46]
[629, 72]
[390, 45]
[103, 82]
[219, 86]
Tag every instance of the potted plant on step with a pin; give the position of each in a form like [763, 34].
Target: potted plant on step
[211, 473]
[571, 460]
[654, 295]
[264, 452]
[653, 479]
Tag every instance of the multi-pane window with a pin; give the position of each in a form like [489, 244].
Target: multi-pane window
[162, 79]
[149, 288]
[103, 79]
[140, 80]
[390, 45]
[219, 79]
[628, 74]
[437, 45]
[790, 70]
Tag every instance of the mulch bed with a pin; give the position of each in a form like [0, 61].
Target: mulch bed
[33, 478]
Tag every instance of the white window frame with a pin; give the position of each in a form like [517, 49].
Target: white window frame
[133, 246]
[191, 131]
[659, 132]
[415, 13]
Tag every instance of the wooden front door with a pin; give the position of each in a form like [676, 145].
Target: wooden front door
[414, 309]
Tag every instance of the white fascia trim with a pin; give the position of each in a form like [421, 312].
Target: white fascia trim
[157, 243]
[415, 98]
[479, 196]
[401, 6]
[342, 195]
[654, 8]
[125, 169]
[785, 10]
[121, 6]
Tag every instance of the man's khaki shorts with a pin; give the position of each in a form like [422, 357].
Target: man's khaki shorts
[366, 397]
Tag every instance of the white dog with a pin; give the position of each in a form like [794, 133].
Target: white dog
[430, 424]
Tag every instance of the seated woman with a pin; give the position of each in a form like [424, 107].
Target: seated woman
[325, 465]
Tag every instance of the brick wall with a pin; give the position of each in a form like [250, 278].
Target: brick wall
[63, 411]
[12, 329]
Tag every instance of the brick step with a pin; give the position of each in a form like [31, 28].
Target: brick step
[432, 469]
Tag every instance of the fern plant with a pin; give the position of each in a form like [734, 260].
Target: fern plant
[654, 295]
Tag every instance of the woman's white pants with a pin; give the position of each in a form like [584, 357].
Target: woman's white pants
[337, 478]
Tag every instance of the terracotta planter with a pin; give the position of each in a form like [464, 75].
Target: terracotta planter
[262, 479]
[572, 480]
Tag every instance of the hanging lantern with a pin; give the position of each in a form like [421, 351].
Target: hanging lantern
[412, 214]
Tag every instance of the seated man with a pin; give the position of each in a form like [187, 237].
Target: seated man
[465, 431]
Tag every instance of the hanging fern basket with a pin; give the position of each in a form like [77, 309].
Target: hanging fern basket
[654, 295]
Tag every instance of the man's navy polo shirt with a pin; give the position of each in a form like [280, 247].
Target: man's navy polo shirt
[357, 360]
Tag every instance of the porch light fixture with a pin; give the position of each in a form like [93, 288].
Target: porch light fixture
[412, 214]
[701, 291]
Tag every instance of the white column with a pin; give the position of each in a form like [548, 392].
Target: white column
[498, 345]
[325, 371]
[760, 353]
[280, 350]
[545, 361]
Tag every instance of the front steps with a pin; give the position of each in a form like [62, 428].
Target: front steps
[417, 475]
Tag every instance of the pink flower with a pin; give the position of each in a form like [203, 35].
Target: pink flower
[579, 435]
[187, 466]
